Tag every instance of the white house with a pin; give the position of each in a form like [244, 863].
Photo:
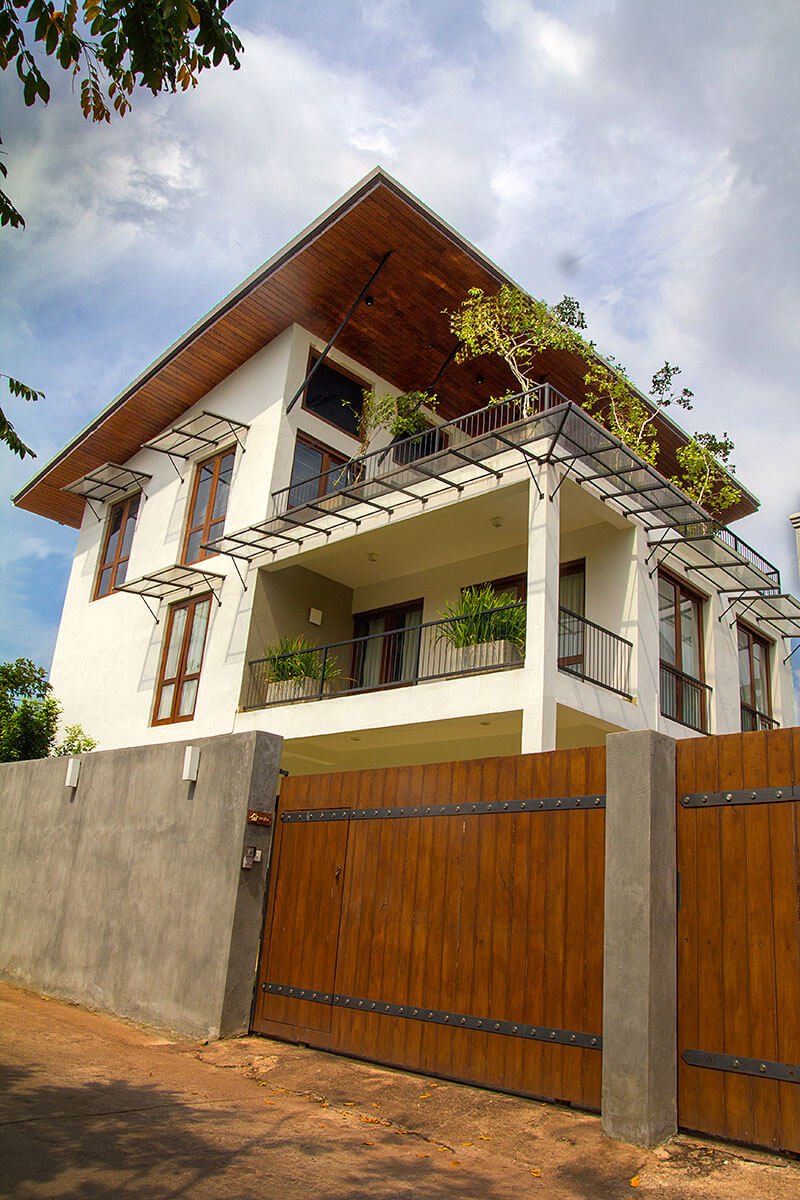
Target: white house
[223, 506]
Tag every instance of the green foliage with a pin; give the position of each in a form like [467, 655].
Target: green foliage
[30, 730]
[401, 416]
[29, 716]
[74, 741]
[517, 328]
[294, 658]
[701, 475]
[161, 45]
[8, 434]
[481, 614]
[613, 399]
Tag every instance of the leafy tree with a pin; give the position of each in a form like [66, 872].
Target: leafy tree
[614, 400]
[29, 716]
[701, 475]
[516, 328]
[113, 46]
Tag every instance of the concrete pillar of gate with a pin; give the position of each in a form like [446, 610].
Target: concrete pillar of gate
[640, 1066]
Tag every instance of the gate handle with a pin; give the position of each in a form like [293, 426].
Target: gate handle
[337, 873]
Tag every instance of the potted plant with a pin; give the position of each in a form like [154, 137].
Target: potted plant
[295, 670]
[483, 629]
[400, 416]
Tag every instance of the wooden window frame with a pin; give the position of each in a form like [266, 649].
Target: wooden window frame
[181, 677]
[330, 458]
[362, 383]
[767, 646]
[699, 599]
[118, 559]
[204, 527]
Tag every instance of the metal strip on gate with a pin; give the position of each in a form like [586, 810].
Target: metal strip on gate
[765, 795]
[498, 807]
[762, 1068]
[539, 1033]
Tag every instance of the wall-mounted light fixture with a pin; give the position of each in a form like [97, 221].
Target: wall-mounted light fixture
[191, 762]
[73, 772]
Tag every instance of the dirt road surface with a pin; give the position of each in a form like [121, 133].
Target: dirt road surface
[94, 1107]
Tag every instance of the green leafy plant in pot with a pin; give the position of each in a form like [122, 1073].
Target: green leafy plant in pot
[293, 669]
[485, 629]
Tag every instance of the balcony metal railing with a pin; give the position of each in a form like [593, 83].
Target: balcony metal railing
[593, 653]
[396, 658]
[350, 481]
[487, 641]
[683, 698]
[754, 721]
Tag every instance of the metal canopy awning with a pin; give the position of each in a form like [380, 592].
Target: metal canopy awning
[778, 609]
[171, 581]
[201, 434]
[712, 550]
[107, 483]
[541, 426]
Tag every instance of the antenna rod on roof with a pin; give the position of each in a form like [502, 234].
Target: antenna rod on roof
[319, 361]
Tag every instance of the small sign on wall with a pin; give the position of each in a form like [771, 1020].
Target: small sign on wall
[254, 817]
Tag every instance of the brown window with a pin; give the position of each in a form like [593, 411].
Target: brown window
[334, 396]
[212, 483]
[754, 682]
[181, 660]
[387, 645]
[117, 545]
[316, 471]
[683, 693]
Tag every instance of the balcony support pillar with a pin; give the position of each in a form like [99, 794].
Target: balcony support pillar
[541, 657]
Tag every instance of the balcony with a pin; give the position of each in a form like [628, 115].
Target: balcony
[593, 653]
[443, 649]
[754, 721]
[683, 698]
[488, 641]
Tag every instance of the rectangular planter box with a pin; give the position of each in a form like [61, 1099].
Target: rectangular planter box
[483, 656]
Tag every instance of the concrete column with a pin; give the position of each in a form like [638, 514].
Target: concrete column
[640, 1067]
[541, 644]
[644, 634]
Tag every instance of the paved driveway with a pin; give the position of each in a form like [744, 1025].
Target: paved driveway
[92, 1107]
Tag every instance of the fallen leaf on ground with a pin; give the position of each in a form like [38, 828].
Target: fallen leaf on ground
[349, 1103]
[455, 1163]
[425, 1096]
[484, 1138]
[375, 1105]
[269, 1101]
[367, 1143]
[535, 1171]
[467, 1143]
[636, 1181]
[423, 1156]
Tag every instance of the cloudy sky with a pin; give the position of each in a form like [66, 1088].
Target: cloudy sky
[641, 157]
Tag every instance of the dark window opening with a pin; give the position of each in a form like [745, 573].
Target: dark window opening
[334, 396]
[390, 650]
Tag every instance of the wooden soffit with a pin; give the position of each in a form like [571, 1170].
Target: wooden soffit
[403, 334]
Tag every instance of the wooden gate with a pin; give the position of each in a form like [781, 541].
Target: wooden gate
[444, 918]
[739, 937]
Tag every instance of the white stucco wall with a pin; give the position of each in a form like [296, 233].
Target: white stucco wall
[108, 651]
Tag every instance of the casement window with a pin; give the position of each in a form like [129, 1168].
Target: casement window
[334, 396]
[117, 545]
[571, 611]
[755, 692]
[316, 471]
[208, 505]
[181, 660]
[680, 616]
[389, 645]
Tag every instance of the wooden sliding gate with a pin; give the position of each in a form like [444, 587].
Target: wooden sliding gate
[444, 918]
[739, 937]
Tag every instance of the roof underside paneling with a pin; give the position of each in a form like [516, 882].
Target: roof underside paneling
[404, 336]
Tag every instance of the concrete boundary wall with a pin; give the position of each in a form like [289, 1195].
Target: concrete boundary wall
[127, 894]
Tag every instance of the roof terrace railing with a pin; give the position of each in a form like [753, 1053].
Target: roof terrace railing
[350, 480]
